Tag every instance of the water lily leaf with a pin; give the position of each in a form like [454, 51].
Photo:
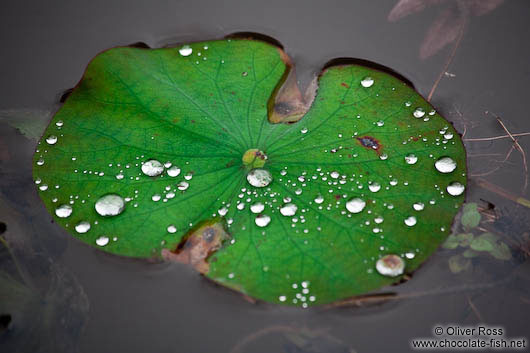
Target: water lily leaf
[470, 216]
[154, 145]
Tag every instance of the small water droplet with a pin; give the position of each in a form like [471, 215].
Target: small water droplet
[171, 228]
[411, 159]
[319, 199]
[173, 171]
[59, 123]
[288, 209]
[40, 161]
[262, 220]
[258, 207]
[367, 82]
[259, 177]
[110, 205]
[119, 176]
[152, 168]
[455, 189]
[355, 205]
[418, 113]
[51, 140]
[410, 255]
[183, 185]
[390, 265]
[43, 187]
[156, 197]
[63, 211]
[304, 130]
[445, 165]
[410, 221]
[82, 227]
[185, 50]
[244, 74]
[102, 241]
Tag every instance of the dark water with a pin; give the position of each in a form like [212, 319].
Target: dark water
[81, 298]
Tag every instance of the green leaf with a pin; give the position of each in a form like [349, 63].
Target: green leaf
[458, 263]
[470, 216]
[352, 182]
[501, 251]
[451, 242]
[464, 239]
[484, 242]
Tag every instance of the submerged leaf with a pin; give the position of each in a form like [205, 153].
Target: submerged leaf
[340, 203]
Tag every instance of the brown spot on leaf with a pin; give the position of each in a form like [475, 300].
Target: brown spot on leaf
[198, 244]
[370, 143]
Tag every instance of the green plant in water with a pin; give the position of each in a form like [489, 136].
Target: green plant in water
[186, 154]
[474, 245]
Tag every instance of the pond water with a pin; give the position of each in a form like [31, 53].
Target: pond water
[79, 298]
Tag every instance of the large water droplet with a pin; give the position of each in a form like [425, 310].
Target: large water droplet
[259, 177]
[185, 50]
[63, 211]
[319, 199]
[355, 205]
[257, 207]
[374, 187]
[152, 168]
[262, 220]
[288, 209]
[411, 159]
[102, 241]
[410, 221]
[455, 188]
[82, 227]
[367, 82]
[445, 165]
[418, 206]
[51, 140]
[390, 265]
[418, 113]
[110, 205]
[173, 171]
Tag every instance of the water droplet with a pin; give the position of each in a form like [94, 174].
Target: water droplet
[410, 255]
[222, 211]
[59, 123]
[418, 113]
[156, 197]
[171, 228]
[119, 176]
[374, 187]
[110, 205]
[152, 168]
[173, 171]
[304, 130]
[367, 82]
[282, 298]
[43, 187]
[51, 140]
[257, 207]
[102, 241]
[383, 156]
[410, 221]
[185, 50]
[355, 205]
[411, 159]
[390, 265]
[288, 209]
[63, 211]
[418, 206]
[82, 227]
[262, 220]
[455, 188]
[183, 185]
[244, 74]
[445, 165]
[448, 136]
[40, 162]
[259, 177]
[319, 199]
